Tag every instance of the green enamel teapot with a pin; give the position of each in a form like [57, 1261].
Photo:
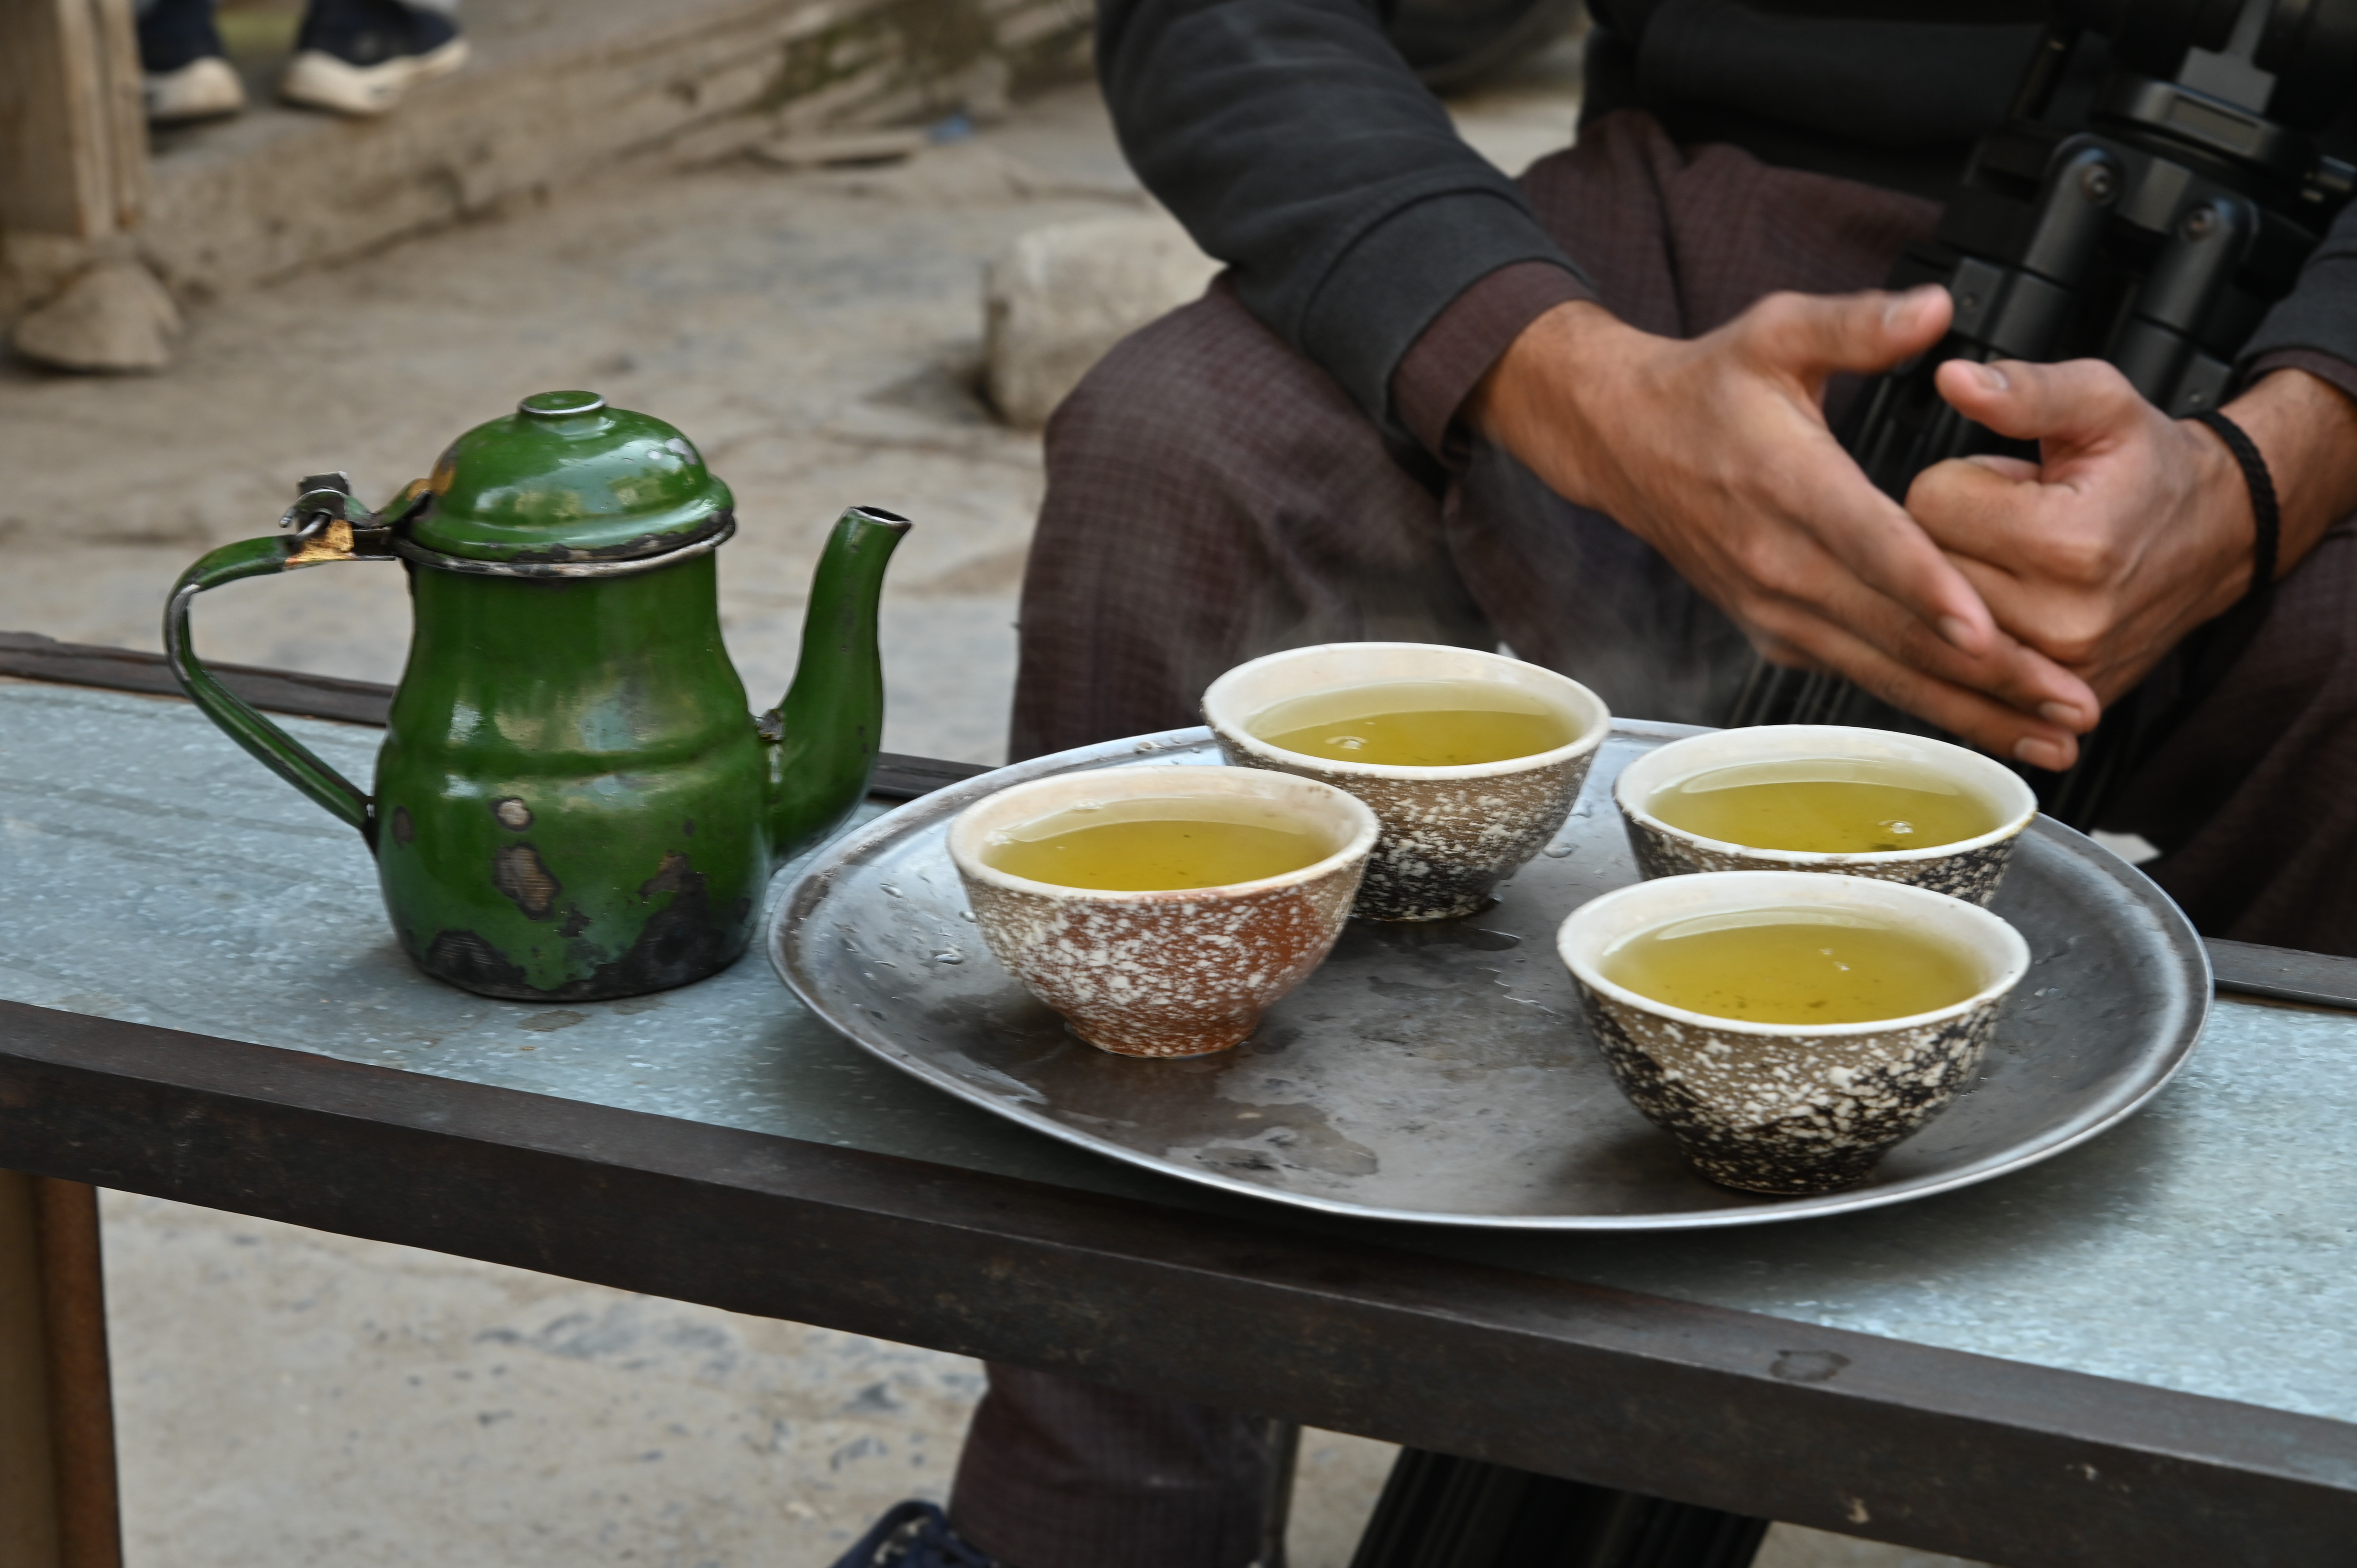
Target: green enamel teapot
[572, 802]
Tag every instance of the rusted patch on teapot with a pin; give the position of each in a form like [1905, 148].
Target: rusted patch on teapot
[677, 873]
[683, 941]
[518, 872]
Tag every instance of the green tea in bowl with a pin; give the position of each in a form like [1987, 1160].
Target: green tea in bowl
[1470, 760]
[1826, 805]
[1137, 846]
[1417, 724]
[1788, 1027]
[1793, 964]
[1825, 798]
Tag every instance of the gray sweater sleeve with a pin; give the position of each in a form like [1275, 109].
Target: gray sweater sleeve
[2320, 312]
[1296, 147]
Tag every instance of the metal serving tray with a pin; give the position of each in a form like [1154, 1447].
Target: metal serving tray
[1440, 1073]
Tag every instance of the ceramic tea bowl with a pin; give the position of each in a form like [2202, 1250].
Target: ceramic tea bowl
[1788, 1108]
[1969, 868]
[1165, 974]
[1450, 834]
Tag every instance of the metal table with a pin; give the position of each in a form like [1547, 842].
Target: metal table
[2138, 1352]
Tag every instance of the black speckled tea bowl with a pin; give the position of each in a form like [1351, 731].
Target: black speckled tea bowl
[1165, 972]
[1450, 834]
[1968, 868]
[1788, 1108]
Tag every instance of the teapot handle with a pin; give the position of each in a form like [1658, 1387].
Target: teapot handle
[333, 528]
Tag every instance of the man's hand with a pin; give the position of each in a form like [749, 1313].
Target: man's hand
[1715, 452]
[2132, 528]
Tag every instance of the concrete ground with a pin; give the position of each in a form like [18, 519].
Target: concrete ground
[288, 1397]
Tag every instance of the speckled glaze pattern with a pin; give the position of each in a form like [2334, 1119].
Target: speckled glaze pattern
[1447, 843]
[1165, 974]
[1971, 875]
[1788, 1115]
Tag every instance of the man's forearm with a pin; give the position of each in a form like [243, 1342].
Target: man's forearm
[2306, 428]
[1298, 147]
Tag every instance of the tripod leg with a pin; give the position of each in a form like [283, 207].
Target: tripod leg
[1437, 1511]
[1285, 1456]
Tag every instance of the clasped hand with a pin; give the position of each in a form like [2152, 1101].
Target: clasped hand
[2005, 602]
[2129, 530]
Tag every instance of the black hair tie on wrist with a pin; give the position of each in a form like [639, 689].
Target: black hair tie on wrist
[2264, 514]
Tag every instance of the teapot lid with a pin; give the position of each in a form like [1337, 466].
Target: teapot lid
[567, 478]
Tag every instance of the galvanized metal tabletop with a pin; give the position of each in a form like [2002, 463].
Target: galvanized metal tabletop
[169, 906]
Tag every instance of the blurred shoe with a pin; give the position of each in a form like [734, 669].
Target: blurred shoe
[914, 1535]
[200, 89]
[181, 55]
[362, 57]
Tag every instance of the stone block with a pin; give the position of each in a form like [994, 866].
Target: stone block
[1060, 296]
[114, 317]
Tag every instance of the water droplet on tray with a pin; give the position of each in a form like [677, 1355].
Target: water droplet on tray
[949, 955]
[1561, 851]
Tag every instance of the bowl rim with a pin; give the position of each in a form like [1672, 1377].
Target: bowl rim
[1588, 710]
[1365, 830]
[1984, 767]
[1803, 887]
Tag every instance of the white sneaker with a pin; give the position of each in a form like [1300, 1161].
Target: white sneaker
[200, 89]
[317, 80]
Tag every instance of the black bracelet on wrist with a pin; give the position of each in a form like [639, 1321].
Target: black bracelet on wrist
[2264, 514]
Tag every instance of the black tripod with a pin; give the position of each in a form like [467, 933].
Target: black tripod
[2154, 239]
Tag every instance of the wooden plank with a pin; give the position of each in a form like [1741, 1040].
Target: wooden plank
[73, 142]
[123, 110]
[81, 1396]
[38, 658]
[2283, 974]
[58, 1505]
[28, 1490]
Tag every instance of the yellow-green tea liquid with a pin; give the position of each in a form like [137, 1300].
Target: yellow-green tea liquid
[1076, 849]
[1416, 723]
[1792, 966]
[1829, 805]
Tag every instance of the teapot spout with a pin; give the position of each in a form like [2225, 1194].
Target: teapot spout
[824, 737]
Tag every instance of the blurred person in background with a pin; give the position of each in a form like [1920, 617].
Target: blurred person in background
[352, 57]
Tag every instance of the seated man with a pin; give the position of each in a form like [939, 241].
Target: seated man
[1587, 413]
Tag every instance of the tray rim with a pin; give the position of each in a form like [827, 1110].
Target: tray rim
[793, 914]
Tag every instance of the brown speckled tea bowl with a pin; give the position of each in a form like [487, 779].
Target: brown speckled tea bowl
[1968, 868]
[1780, 1108]
[1450, 834]
[1165, 974]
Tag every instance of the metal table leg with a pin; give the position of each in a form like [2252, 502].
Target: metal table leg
[56, 1420]
[1437, 1511]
